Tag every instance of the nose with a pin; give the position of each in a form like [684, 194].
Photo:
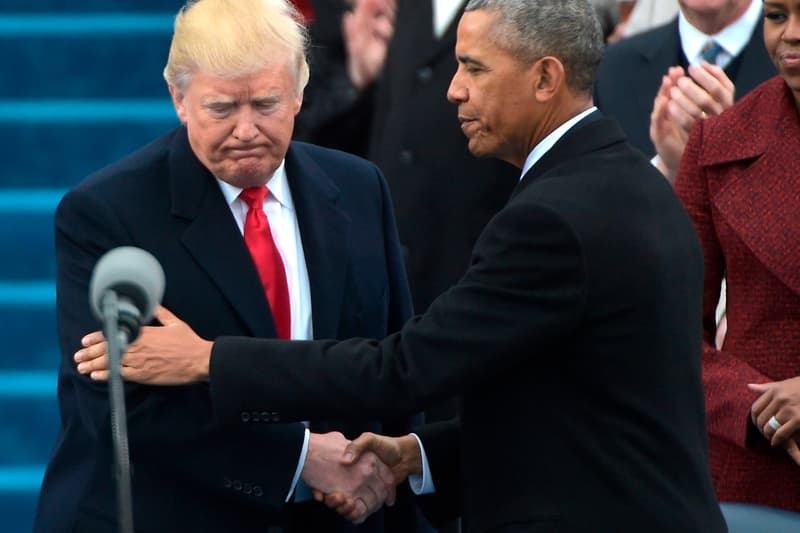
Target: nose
[457, 92]
[245, 129]
[792, 31]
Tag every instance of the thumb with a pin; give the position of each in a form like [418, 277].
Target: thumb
[165, 316]
[355, 449]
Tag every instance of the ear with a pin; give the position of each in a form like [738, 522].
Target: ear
[298, 102]
[549, 78]
[178, 103]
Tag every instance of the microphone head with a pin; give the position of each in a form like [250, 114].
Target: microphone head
[133, 274]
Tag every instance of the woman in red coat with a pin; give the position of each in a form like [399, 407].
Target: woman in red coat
[740, 181]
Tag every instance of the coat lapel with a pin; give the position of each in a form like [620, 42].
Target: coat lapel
[324, 228]
[213, 238]
[755, 64]
[661, 51]
[759, 197]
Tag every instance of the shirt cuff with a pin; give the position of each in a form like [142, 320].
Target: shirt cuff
[422, 484]
[300, 464]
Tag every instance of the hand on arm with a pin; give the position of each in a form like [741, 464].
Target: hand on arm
[364, 482]
[171, 354]
[779, 399]
[681, 100]
[401, 454]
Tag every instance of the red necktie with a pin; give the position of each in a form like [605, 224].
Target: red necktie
[267, 258]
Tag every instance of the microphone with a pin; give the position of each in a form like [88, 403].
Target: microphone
[137, 279]
[127, 283]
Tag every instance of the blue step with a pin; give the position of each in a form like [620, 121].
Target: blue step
[28, 325]
[48, 145]
[30, 421]
[17, 508]
[90, 6]
[26, 234]
[84, 65]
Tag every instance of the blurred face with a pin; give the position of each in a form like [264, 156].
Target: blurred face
[782, 38]
[491, 88]
[712, 16]
[239, 128]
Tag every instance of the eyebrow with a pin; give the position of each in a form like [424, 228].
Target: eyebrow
[467, 60]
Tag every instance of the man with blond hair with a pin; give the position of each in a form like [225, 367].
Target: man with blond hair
[258, 236]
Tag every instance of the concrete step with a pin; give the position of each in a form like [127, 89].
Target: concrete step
[26, 233]
[28, 327]
[56, 143]
[30, 419]
[102, 58]
[18, 505]
[90, 6]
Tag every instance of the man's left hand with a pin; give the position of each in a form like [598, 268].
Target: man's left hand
[171, 354]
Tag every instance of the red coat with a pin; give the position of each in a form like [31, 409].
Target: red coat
[740, 181]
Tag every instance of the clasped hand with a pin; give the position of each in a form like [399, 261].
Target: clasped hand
[779, 399]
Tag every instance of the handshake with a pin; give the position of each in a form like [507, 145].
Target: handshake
[356, 478]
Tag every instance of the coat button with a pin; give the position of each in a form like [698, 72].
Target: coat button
[254, 417]
[258, 491]
[247, 488]
[425, 74]
[276, 417]
[237, 485]
[226, 482]
[407, 157]
[266, 416]
[245, 416]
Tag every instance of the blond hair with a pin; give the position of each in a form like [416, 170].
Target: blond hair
[233, 38]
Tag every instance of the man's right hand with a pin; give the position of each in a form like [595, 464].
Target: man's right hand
[367, 31]
[366, 482]
[401, 454]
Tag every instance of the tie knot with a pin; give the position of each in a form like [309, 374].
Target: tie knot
[254, 196]
[710, 51]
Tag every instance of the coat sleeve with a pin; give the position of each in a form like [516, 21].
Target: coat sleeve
[725, 375]
[171, 431]
[525, 289]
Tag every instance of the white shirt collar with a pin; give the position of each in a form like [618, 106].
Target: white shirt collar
[278, 187]
[548, 142]
[732, 39]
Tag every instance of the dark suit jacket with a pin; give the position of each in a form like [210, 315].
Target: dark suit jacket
[190, 474]
[574, 339]
[630, 75]
[739, 182]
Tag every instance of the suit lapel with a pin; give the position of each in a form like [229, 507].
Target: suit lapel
[213, 238]
[755, 65]
[324, 230]
[659, 53]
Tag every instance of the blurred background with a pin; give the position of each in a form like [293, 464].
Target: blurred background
[80, 87]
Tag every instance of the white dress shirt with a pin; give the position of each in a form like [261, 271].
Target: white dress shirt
[444, 11]
[732, 39]
[279, 209]
[423, 483]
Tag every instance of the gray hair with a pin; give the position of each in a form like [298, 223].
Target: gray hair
[565, 29]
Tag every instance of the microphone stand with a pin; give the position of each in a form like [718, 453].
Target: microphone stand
[117, 343]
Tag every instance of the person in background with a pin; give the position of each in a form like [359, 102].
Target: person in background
[739, 180]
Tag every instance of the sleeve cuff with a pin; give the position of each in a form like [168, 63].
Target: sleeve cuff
[300, 464]
[422, 484]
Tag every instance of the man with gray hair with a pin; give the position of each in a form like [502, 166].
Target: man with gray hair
[258, 236]
[573, 338]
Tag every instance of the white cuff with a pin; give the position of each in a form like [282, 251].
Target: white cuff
[422, 484]
[300, 464]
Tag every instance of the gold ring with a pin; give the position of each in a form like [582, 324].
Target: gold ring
[703, 114]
